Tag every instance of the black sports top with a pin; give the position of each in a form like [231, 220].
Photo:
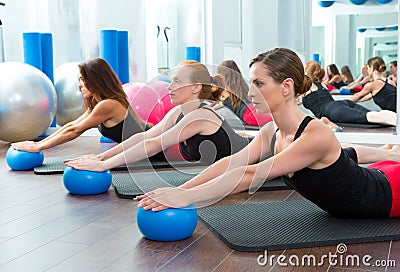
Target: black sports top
[339, 84]
[123, 130]
[210, 148]
[316, 101]
[343, 188]
[386, 97]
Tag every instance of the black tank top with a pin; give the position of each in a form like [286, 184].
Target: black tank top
[123, 130]
[339, 84]
[343, 188]
[316, 101]
[210, 148]
[386, 97]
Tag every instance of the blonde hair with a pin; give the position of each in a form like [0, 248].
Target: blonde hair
[212, 86]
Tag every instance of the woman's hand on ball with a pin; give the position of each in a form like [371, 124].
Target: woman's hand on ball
[163, 198]
[28, 146]
[84, 157]
[89, 163]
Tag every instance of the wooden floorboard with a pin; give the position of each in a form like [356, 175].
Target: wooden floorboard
[44, 228]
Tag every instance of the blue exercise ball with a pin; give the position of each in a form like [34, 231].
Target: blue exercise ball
[383, 1]
[358, 2]
[83, 182]
[345, 91]
[22, 160]
[326, 4]
[167, 225]
[361, 30]
[380, 28]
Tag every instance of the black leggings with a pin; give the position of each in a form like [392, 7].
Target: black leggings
[346, 111]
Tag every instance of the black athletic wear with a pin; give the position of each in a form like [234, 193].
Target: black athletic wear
[386, 97]
[343, 188]
[321, 104]
[339, 84]
[123, 130]
[210, 148]
[239, 111]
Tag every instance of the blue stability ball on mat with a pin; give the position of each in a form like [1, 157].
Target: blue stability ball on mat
[345, 91]
[83, 182]
[167, 225]
[22, 160]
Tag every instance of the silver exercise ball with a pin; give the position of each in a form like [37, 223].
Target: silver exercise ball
[27, 102]
[69, 97]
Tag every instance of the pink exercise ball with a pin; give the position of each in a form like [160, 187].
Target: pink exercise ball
[150, 101]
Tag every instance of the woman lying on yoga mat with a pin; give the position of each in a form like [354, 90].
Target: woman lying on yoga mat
[202, 133]
[106, 105]
[360, 82]
[235, 95]
[382, 90]
[301, 149]
[321, 103]
[334, 80]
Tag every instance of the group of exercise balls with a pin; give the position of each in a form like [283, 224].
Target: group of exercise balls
[29, 102]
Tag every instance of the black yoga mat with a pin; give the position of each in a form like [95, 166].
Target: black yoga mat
[291, 224]
[362, 125]
[55, 165]
[129, 185]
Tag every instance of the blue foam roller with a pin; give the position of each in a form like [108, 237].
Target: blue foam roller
[32, 49]
[47, 55]
[315, 57]
[47, 60]
[108, 47]
[193, 53]
[21, 160]
[123, 56]
[167, 225]
[83, 182]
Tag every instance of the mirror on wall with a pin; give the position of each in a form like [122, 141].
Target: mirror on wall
[349, 34]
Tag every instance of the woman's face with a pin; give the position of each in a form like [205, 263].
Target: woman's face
[85, 91]
[370, 70]
[364, 70]
[264, 92]
[393, 69]
[181, 89]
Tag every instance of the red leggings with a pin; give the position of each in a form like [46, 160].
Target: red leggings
[392, 172]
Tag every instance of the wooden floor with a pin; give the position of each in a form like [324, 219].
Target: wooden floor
[43, 228]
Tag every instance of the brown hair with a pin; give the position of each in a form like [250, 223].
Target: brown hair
[234, 82]
[283, 63]
[314, 70]
[333, 68]
[99, 78]
[347, 76]
[377, 63]
[212, 86]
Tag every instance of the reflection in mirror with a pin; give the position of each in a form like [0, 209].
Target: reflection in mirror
[348, 34]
